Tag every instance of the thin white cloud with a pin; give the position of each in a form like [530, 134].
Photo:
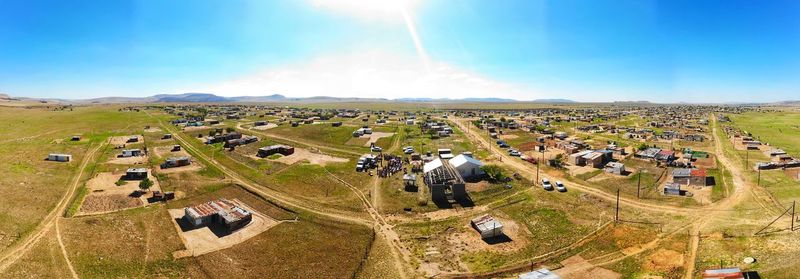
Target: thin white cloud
[369, 74]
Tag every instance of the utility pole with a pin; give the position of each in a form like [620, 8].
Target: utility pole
[746, 157]
[759, 176]
[639, 184]
[616, 215]
[792, 228]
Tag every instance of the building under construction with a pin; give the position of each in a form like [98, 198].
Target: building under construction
[222, 212]
[444, 182]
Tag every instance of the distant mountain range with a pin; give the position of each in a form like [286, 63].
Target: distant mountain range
[275, 98]
[278, 98]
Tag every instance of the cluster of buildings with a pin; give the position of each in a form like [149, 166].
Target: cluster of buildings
[220, 212]
[445, 178]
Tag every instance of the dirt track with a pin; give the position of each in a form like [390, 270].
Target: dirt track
[10, 256]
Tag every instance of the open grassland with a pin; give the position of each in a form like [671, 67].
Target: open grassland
[781, 187]
[132, 243]
[779, 129]
[31, 185]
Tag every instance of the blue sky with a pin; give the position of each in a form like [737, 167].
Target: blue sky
[663, 51]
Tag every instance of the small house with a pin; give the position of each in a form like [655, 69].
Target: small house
[136, 174]
[75, 138]
[615, 168]
[487, 226]
[284, 150]
[175, 148]
[166, 136]
[131, 153]
[336, 124]
[222, 212]
[133, 139]
[673, 189]
[59, 157]
[176, 162]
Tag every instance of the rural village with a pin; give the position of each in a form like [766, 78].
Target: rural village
[551, 191]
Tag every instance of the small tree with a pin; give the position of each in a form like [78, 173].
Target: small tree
[145, 184]
[558, 160]
[494, 172]
[643, 146]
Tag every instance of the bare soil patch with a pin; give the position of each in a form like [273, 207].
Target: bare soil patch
[265, 127]
[508, 136]
[375, 136]
[664, 260]
[194, 128]
[358, 141]
[122, 140]
[470, 240]
[202, 240]
[105, 196]
[152, 130]
[301, 154]
[135, 160]
[577, 267]
[793, 173]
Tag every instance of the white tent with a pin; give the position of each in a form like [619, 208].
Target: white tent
[432, 165]
[466, 165]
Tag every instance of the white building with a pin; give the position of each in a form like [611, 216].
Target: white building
[467, 166]
[487, 226]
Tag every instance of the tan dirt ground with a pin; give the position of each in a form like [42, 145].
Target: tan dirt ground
[470, 240]
[265, 127]
[578, 268]
[194, 128]
[664, 260]
[105, 196]
[313, 158]
[164, 152]
[135, 160]
[152, 130]
[375, 136]
[122, 140]
[202, 240]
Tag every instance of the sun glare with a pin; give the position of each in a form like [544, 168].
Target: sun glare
[385, 10]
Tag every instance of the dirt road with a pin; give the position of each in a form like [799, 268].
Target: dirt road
[525, 170]
[297, 141]
[12, 255]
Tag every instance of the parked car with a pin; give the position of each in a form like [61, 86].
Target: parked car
[546, 184]
[504, 145]
[513, 152]
[376, 149]
[560, 186]
[408, 151]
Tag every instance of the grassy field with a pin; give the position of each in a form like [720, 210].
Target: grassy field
[32, 186]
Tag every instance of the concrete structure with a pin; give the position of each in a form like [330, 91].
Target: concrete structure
[284, 150]
[615, 168]
[176, 162]
[487, 226]
[136, 174]
[444, 181]
[59, 157]
[445, 153]
[131, 152]
[222, 212]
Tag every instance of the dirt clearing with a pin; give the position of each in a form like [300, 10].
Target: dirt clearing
[265, 127]
[202, 240]
[133, 160]
[375, 136]
[122, 140]
[301, 154]
[105, 196]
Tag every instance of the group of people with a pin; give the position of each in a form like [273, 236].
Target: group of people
[393, 165]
